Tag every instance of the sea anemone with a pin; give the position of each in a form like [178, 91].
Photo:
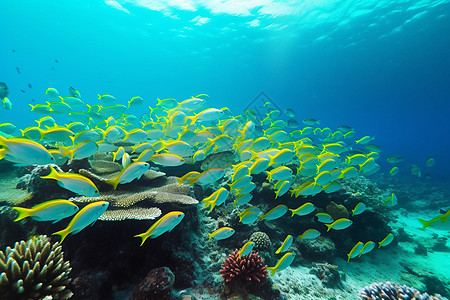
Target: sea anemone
[33, 270]
[247, 268]
[392, 291]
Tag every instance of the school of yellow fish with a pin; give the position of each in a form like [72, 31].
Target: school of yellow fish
[300, 161]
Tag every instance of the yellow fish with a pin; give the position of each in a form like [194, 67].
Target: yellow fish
[53, 210]
[74, 182]
[23, 151]
[283, 263]
[130, 173]
[88, 215]
[221, 233]
[165, 224]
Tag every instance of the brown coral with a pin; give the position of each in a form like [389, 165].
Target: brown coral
[245, 268]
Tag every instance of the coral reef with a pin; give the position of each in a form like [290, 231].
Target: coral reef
[245, 268]
[246, 277]
[261, 240]
[318, 249]
[33, 270]
[156, 285]
[392, 291]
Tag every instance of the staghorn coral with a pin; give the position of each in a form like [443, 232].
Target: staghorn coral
[392, 291]
[245, 268]
[138, 213]
[261, 240]
[33, 270]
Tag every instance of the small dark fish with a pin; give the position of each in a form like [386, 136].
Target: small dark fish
[292, 123]
[290, 112]
[29, 85]
[53, 69]
[14, 50]
[3, 90]
[32, 100]
[18, 70]
[22, 91]
[56, 61]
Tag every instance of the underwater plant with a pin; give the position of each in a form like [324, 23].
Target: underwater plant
[245, 268]
[392, 291]
[33, 270]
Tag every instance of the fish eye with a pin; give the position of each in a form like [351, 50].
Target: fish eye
[96, 191]
[103, 204]
[52, 158]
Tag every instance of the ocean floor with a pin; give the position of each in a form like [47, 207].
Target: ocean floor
[391, 263]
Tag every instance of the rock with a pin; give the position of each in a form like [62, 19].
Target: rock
[157, 285]
[319, 249]
[328, 274]
[420, 250]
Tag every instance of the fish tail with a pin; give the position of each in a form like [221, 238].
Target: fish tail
[180, 181]
[424, 223]
[328, 227]
[293, 212]
[2, 153]
[53, 174]
[3, 141]
[348, 255]
[263, 217]
[269, 176]
[62, 233]
[272, 270]
[353, 212]
[143, 236]
[114, 182]
[192, 180]
[210, 236]
[23, 213]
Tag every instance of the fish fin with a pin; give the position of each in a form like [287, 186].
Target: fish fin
[53, 174]
[23, 213]
[424, 223]
[2, 153]
[272, 270]
[210, 236]
[114, 182]
[62, 233]
[56, 221]
[143, 236]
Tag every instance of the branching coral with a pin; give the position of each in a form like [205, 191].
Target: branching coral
[138, 213]
[33, 270]
[245, 268]
[392, 291]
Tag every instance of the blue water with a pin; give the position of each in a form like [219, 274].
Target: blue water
[382, 67]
